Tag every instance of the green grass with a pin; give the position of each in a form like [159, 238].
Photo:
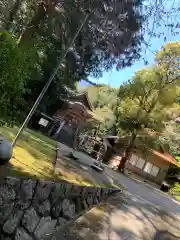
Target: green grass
[33, 157]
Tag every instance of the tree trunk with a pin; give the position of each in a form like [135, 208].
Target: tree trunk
[76, 136]
[127, 152]
[33, 25]
[12, 14]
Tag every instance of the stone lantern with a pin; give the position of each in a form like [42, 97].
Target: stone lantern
[5, 151]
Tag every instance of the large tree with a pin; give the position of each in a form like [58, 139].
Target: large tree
[143, 106]
[110, 36]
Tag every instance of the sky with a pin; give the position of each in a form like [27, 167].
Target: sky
[115, 78]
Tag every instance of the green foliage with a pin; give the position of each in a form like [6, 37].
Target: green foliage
[168, 61]
[50, 26]
[15, 65]
[175, 190]
[103, 98]
[53, 25]
[171, 138]
[144, 104]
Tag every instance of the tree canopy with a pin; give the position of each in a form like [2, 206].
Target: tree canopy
[103, 99]
[149, 100]
[171, 138]
[110, 36]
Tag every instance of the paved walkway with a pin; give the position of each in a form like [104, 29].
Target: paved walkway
[143, 212]
[148, 193]
[79, 171]
[124, 217]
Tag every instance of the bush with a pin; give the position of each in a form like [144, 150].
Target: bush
[175, 190]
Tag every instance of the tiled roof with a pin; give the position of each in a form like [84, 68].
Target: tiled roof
[84, 96]
[165, 156]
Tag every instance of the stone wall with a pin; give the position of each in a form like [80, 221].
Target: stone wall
[31, 209]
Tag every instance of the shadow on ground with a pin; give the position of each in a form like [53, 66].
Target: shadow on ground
[122, 218]
[83, 173]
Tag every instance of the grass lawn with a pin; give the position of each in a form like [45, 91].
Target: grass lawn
[33, 157]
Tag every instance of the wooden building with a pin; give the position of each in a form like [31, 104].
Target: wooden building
[65, 124]
[152, 165]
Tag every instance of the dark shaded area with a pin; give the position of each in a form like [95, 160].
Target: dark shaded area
[164, 235]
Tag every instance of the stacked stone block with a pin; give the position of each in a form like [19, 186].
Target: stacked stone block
[35, 209]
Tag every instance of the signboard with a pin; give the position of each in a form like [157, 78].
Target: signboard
[43, 122]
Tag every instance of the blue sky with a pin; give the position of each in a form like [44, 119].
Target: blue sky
[116, 78]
